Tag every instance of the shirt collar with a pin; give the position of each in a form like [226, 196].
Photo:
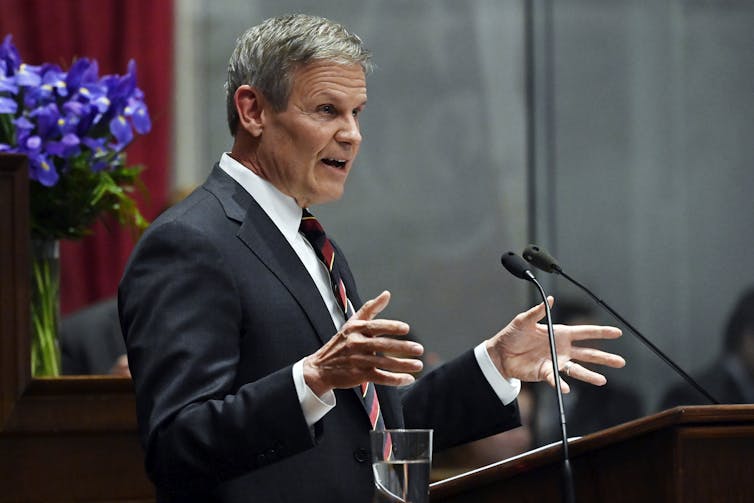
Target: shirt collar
[281, 209]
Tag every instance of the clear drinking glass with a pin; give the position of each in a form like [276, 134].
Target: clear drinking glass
[401, 462]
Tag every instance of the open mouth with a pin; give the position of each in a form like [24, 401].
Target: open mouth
[335, 163]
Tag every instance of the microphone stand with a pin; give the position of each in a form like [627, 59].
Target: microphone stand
[567, 475]
[516, 266]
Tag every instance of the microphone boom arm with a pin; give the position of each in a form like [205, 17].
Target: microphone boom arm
[643, 339]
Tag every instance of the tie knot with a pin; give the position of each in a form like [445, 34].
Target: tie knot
[310, 227]
[315, 234]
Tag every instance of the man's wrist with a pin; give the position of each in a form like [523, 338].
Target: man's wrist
[495, 358]
[313, 378]
[313, 406]
[506, 388]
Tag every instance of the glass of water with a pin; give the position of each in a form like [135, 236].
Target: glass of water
[401, 462]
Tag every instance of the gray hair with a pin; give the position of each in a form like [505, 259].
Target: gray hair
[266, 55]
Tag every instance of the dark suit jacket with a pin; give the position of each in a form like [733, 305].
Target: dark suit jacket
[719, 380]
[216, 307]
[90, 339]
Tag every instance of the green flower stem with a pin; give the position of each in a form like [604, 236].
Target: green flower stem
[45, 352]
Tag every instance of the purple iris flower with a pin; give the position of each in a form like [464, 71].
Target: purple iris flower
[100, 152]
[28, 75]
[47, 119]
[121, 130]
[42, 169]
[32, 144]
[24, 127]
[60, 118]
[120, 89]
[83, 71]
[7, 83]
[97, 145]
[72, 107]
[137, 110]
[7, 105]
[53, 81]
[127, 83]
[67, 147]
[95, 93]
[9, 55]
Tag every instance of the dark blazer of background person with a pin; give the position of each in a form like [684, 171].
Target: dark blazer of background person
[234, 309]
[730, 378]
[90, 339]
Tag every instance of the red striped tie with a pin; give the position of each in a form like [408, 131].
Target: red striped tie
[313, 231]
[369, 395]
[315, 234]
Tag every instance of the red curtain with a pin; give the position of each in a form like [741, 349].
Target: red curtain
[112, 32]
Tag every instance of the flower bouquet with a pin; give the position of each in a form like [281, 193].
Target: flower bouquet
[73, 126]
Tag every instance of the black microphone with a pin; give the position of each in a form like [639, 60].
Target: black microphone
[540, 259]
[520, 269]
[517, 267]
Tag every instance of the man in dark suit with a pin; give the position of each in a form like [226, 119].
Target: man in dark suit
[91, 341]
[248, 355]
[730, 378]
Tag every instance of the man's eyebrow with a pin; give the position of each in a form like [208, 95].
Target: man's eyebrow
[335, 97]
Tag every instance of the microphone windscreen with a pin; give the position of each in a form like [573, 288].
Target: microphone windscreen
[515, 265]
[540, 259]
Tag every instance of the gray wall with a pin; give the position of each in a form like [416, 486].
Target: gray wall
[650, 202]
[641, 174]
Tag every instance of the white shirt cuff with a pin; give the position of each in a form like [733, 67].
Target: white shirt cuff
[506, 389]
[313, 406]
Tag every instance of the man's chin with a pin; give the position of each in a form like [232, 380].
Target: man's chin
[321, 198]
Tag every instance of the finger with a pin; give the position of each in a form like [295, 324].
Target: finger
[587, 332]
[363, 344]
[373, 307]
[391, 378]
[537, 312]
[379, 327]
[598, 357]
[576, 371]
[564, 386]
[388, 363]
[550, 379]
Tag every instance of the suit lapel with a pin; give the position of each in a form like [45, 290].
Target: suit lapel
[265, 240]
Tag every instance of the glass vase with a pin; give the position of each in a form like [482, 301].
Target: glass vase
[45, 307]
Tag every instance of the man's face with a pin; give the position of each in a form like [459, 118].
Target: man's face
[308, 149]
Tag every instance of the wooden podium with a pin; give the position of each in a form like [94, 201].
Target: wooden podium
[686, 454]
[67, 439]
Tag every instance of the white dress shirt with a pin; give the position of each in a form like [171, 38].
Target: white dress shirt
[286, 215]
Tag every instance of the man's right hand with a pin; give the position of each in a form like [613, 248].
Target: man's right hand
[361, 352]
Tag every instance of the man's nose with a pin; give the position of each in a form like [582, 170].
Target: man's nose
[349, 132]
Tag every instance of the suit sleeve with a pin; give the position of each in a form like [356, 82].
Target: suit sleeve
[457, 401]
[182, 318]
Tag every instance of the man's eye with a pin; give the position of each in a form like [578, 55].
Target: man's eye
[327, 109]
[356, 112]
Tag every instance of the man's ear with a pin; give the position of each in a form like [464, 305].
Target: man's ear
[250, 105]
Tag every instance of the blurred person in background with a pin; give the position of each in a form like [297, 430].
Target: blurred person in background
[730, 379]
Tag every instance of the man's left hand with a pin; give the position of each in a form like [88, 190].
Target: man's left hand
[521, 350]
